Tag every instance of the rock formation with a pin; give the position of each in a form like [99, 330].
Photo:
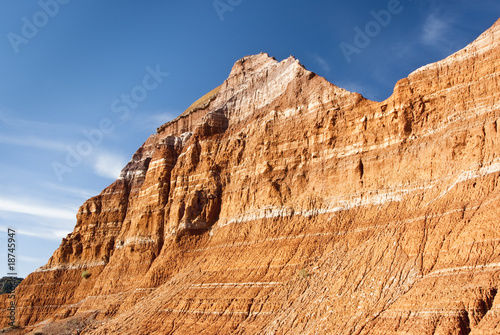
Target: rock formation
[282, 204]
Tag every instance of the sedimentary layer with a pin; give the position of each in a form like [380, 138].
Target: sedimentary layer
[281, 203]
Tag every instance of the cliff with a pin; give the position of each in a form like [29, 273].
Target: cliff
[280, 203]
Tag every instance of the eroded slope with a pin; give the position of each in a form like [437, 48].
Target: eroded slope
[284, 204]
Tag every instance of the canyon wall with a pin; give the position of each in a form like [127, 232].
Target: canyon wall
[282, 204]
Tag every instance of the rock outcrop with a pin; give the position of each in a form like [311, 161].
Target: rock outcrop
[280, 203]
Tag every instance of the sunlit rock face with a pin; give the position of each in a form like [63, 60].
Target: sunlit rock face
[282, 204]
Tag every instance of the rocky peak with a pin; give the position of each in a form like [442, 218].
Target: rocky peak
[280, 203]
[254, 82]
[252, 64]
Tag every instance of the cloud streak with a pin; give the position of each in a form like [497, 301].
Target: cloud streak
[50, 234]
[434, 30]
[321, 62]
[33, 142]
[26, 124]
[73, 191]
[34, 209]
[109, 165]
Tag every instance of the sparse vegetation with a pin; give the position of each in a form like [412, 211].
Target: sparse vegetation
[85, 274]
[303, 273]
[9, 284]
[201, 103]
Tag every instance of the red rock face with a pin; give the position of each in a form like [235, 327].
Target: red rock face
[284, 204]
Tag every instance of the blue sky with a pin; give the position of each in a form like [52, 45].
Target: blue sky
[69, 70]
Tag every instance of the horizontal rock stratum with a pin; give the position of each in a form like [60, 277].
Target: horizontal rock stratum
[281, 204]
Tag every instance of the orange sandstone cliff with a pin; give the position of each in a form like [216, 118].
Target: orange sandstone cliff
[281, 204]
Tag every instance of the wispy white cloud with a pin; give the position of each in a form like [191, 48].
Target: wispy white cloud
[30, 207]
[46, 234]
[109, 165]
[435, 29]
[53, 232]
[74, 191]
[10, 119]
[325, 66]
[18, 131]
[32, 141]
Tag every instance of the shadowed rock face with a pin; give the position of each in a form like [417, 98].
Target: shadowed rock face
[284, 204]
